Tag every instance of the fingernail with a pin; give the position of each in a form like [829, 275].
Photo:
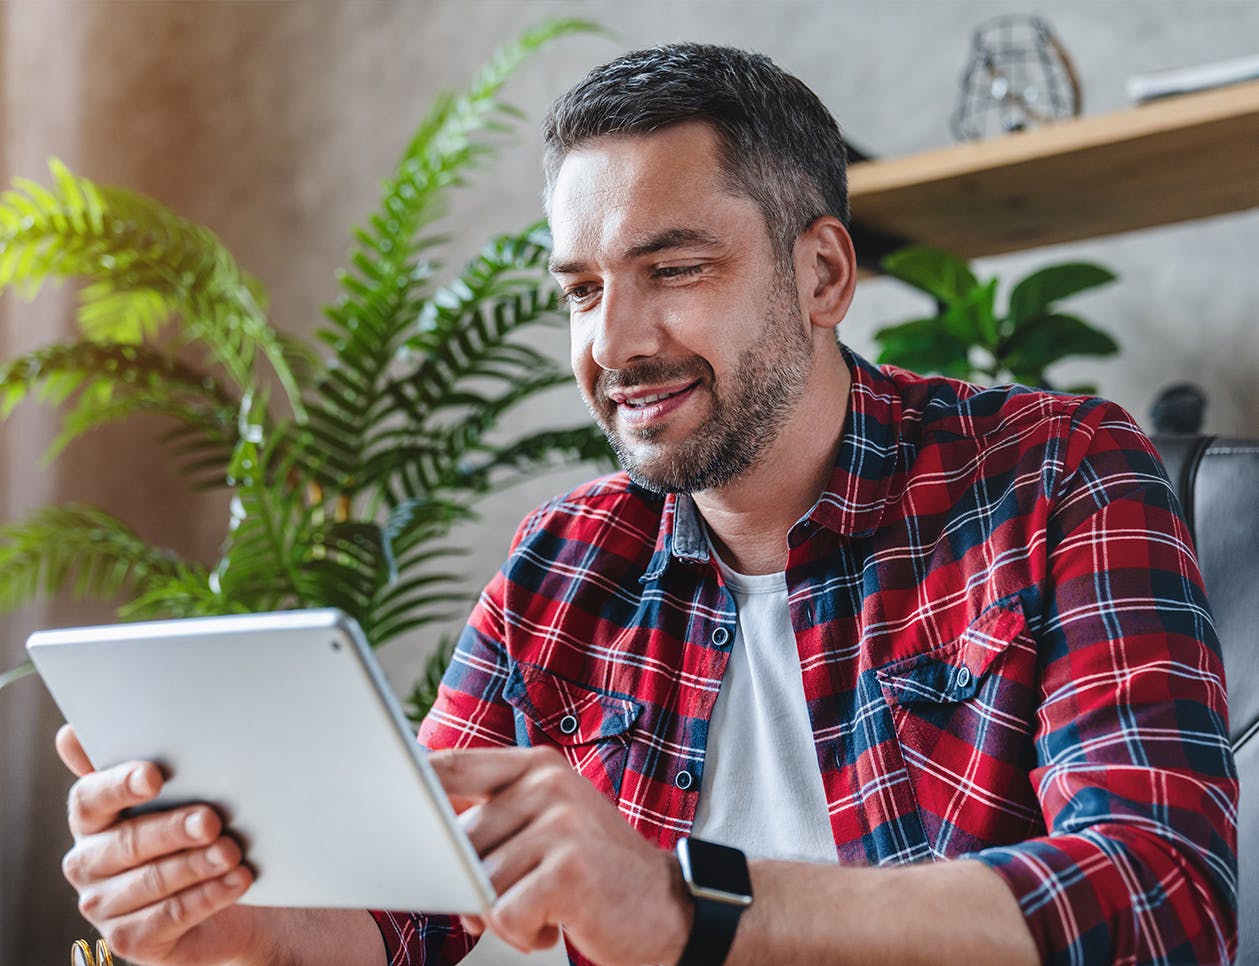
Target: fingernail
[194, 825]
[234, 879]
[138, 781]
[217, 857]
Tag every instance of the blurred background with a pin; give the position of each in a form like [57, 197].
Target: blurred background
[274, 123]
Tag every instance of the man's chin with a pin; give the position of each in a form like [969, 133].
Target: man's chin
[650, 470]
[665, 476]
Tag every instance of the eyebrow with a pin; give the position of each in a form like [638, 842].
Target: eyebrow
[661, 241]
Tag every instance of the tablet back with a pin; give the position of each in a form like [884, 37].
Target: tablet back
[285, 724]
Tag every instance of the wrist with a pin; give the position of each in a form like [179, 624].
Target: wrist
[675, 931]
[312, 937]
[271, 939]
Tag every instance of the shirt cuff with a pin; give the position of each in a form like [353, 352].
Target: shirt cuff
[416, 939]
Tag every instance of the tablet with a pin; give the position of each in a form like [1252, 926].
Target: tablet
[284, 723]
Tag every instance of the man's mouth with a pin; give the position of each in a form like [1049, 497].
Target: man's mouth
[645, 405]
[636, 400]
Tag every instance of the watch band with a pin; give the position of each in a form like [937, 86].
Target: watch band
[712, 933]
[716, 876]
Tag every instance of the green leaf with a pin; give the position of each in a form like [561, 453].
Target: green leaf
[107, 382]
[1047, 339]
[81, 547]
[942, 275]
[143, 265]
[1034, 295]
[924, 345]
[971, 320]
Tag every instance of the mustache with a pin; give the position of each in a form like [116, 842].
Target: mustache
[651, 372]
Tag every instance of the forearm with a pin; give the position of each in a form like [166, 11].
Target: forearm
[315, 937]
[950, 912]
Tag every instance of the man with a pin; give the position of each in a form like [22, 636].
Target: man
[835, 616]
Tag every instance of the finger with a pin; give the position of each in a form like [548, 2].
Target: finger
[71, 751]
[156, 881]
[98, 798]
[490, 823]
[474, 773]
[547, 833]
[532, 798]
[150, 933]
[472, 925]
[138, 841]
[520, 916]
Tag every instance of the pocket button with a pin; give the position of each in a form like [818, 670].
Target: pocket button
[568, 724]
[963, 677]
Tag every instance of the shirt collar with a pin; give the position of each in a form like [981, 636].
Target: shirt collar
[862, 484]
[856, 497]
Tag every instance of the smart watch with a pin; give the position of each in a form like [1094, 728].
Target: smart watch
[717, 879]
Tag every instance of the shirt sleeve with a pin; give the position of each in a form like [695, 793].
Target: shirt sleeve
[469, 712]
[1134, 771]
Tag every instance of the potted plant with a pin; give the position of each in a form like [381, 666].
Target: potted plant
[343, 489]
[969, 339]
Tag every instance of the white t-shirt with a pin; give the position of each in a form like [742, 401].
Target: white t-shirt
[761, 789]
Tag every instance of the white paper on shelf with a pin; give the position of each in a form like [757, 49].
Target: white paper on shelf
[1184, 80]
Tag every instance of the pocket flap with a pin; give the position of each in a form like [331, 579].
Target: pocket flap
[954, 671]
[568, 713]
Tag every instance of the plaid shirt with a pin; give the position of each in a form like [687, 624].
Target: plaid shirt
[1005, 649]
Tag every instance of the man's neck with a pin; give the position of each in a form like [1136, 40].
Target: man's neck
[749, 518]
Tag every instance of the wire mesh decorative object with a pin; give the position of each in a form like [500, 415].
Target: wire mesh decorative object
[1019, 76]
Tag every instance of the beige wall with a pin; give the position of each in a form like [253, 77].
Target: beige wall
[274, 123]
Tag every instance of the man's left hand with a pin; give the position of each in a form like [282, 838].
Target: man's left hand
[559, 854]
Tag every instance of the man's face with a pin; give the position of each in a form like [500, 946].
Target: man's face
[687, 338]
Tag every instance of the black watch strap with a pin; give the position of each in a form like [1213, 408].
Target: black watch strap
[716, 876]
[712, 933]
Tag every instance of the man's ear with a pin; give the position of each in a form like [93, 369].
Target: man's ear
[827, 268]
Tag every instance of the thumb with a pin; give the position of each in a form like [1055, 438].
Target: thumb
[72, 752]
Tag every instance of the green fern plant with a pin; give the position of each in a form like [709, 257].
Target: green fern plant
[342, 491]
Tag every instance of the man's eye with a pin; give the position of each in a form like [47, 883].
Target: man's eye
[678, 271]
[577, 294]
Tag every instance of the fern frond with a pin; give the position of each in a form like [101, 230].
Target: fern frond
[541, 452]
[93, 552]
[270, 526]
[424, 695]
[419, 585]
[465, 340]
[187, 593]
[111, 381]
[384, 286]
[143, 265]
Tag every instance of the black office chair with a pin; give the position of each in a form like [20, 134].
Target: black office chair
[1218, 483]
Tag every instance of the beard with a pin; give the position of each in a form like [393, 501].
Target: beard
[748, 407]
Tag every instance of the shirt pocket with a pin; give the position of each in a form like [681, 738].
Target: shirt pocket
[963, 716]
[591, 727]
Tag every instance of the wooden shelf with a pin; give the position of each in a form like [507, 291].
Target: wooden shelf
[1168, 161]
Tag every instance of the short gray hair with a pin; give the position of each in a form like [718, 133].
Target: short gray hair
[778, 143]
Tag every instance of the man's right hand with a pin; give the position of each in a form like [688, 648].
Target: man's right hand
[160, 887]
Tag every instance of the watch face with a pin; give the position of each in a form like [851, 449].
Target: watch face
[717, 868]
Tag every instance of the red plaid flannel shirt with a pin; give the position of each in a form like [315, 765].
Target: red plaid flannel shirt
[1005, 647]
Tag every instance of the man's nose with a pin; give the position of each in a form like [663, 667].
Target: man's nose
[627, 329]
